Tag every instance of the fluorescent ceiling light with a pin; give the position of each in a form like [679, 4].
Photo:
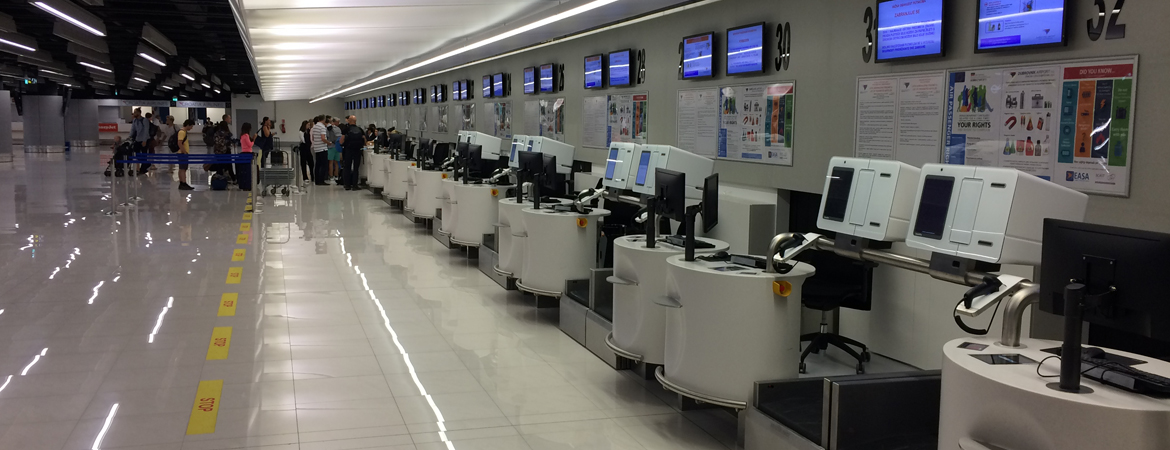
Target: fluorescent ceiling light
[20, 41]
[70, 33]
[499, 37]
[22, 47]
[92, 66]
[185, 75]
[167, 87]
[65, 11]
[142, 80]
[149, 55]
[216, 90]
[205, 85]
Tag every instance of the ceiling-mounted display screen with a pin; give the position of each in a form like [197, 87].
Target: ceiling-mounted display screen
[547, 78]
[594, 72]
[1012, 24]
[745, 49]
[487, 86]
[909, 29]
[382, 101]
[498, 85]
[467, 90]
[455, 91]
[619, 68]
[698, 61]
[529, 80]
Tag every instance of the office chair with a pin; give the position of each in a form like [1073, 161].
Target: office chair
[838, 283]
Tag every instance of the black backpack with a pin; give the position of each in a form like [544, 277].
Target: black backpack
[173, 142]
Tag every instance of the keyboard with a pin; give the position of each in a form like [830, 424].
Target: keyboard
[680, 241]
[1125, 377]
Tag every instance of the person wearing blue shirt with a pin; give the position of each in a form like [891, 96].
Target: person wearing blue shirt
[139, 135]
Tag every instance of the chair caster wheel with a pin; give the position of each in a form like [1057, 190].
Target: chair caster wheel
[803, 368]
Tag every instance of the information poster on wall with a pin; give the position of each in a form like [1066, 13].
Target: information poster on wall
[627, 118]
[900, 117]
[468, 115]
[422, 118]
[552, 118]
[756, 123]
[697, 121]
[501, 118]
[1065, 122]
[594, 125]
[441, 113]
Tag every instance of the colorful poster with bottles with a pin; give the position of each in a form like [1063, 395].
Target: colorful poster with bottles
[1064, 122]
[1096, 105]
[756, 123]
[626, 118]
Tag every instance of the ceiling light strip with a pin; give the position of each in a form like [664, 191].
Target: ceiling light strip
[94, 66]
[499, 37]
[553, 42]
[68, 18]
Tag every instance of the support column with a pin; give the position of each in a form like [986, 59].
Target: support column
[44, 126]
[5, 127]
[81, 123]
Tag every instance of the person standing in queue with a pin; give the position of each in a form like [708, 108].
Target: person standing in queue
[139, 136]
[184, 149]
[353, 144]
[264, 140]
[306, 150]
[244, 171]
[318, 136]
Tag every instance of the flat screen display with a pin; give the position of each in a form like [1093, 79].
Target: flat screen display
[594, 72]
[487, 86]
[697, 56]
[498, 85]
[619, 68]
[745, 49]
[611, 163]
[643, 167]
[909, 29]
[837, 199]
[546, 78]
[1006, 24]
[441, 93]
[456, 92]
[934, 206]
[529, 80]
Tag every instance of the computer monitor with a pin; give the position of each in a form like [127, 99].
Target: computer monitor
[473, 159]
[710, 202]
[531, 163]
[439, 153]
[461, 150]
[1121, 272]
[987, 214]
[670, 194]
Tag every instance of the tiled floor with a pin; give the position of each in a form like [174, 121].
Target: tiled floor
[354, 329]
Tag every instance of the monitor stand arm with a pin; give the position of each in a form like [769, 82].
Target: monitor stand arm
[689, 239]
[1075, 301]
[651, 222]
[535, 190]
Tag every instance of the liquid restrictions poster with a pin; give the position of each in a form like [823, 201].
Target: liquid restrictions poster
[756, 123]
[1065, 122]
[627, 118]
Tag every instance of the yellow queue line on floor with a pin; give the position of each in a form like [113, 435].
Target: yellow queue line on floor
[242, 238]
[238, 254]
[227, 304]
[221, 343]
[234, 275]
[247, 216]
[246, 226]
[206, 409]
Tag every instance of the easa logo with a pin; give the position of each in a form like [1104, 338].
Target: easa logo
[1075, 176]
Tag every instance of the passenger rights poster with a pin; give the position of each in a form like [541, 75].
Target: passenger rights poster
[756, 123]
[1064, 122]
[627, 118]
[441, 113]
[552, 118]
[501, 119]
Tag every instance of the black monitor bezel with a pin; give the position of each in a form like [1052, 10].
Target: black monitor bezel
[710, 202]
[1063, 34]
[763, 51]
[609, 67]
[602, 57]
[670, 198]
[714, 44]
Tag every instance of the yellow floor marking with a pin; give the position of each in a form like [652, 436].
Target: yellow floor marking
[234, 275]
[248, 208]
[238, 254]
[247, 216]
[249, 200]
[206, 409]
[242, 239]
[221, 342]
[246, 226]
[227, 304]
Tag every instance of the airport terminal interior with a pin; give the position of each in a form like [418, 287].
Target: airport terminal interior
[584, 225]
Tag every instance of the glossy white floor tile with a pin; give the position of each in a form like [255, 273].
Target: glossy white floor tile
[352, 329]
